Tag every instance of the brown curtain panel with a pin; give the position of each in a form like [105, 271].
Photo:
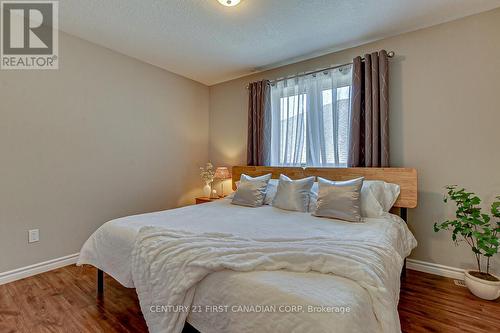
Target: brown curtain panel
[258, 123]
[369, 136]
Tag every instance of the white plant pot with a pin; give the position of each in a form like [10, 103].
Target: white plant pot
[489, 290]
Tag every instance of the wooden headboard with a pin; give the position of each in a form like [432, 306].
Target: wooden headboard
[406, 178]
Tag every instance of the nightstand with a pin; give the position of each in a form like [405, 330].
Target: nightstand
[200, 200]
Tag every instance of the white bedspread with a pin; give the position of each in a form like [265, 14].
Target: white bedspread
[168, 265]
[110, 248]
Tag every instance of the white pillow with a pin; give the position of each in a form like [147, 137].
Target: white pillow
[313, 197]
[377, 197]
[272, 188]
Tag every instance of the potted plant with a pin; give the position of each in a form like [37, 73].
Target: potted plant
[481, 232]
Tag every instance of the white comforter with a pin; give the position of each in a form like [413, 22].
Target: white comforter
[110, 248]
[168, 265]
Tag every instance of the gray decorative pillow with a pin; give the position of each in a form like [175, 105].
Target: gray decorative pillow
[293, 194]
[339, 200]
[272, 187]
[251, 191]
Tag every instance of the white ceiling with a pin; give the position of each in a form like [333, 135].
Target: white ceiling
[209, 43]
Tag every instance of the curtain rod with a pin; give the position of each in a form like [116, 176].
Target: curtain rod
[390, 54]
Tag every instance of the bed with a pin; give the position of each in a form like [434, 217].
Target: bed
[279, 300]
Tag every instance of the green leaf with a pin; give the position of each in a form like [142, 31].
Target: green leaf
[495, 208]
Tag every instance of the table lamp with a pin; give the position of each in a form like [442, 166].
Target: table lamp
[222, 173]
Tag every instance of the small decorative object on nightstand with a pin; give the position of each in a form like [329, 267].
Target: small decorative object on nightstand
[222, 173]
[207, 175]
[200, 200]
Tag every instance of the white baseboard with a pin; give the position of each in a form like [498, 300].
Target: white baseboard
[42, 267]
[442, 270]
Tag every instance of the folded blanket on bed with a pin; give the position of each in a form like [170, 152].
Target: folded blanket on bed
[167, 266]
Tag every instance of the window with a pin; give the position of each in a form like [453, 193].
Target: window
[310, 119]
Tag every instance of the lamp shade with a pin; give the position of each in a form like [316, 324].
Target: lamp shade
[222, 173]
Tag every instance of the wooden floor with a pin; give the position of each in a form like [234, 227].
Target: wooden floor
[64, 301]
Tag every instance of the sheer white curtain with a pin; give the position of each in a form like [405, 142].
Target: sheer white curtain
[310, 119]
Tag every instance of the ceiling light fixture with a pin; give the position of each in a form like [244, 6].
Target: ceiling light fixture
[229, 3]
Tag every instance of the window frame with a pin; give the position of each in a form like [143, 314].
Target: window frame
[295, 90]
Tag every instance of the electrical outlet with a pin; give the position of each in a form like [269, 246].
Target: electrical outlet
[33, 235]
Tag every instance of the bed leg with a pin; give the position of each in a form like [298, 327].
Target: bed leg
[100, 282]
[189, 329]
[404, 216]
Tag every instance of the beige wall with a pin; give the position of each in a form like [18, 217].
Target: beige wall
[445, 117]
[102, 137]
